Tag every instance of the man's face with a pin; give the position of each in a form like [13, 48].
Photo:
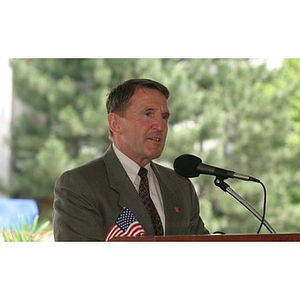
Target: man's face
[141, 132]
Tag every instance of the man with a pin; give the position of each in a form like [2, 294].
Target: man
[110, 196]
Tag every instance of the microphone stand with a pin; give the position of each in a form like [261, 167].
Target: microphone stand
[226, 188]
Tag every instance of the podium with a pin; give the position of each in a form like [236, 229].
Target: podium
[272, 237]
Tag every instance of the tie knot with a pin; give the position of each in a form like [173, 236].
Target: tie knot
[143, 172]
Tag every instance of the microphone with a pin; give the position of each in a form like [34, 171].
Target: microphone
[188, 165]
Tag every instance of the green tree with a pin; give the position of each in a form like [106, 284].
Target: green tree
[63, 124]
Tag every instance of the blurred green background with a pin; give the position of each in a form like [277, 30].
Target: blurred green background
[239, 114]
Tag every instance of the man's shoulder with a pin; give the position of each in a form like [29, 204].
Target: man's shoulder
[93, 165]
[83, 173]
[87, 166]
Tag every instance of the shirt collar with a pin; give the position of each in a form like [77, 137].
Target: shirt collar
[129, 165]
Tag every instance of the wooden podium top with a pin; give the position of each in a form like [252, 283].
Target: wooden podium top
[272, 237]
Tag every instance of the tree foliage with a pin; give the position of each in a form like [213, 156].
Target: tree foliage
[234, 113]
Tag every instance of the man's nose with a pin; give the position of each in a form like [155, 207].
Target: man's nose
[160, 123]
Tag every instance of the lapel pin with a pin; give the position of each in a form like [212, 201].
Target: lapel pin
[176, 208]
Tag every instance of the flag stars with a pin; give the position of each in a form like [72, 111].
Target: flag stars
[125, 225]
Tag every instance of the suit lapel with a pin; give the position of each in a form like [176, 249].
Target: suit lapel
[172, 204]
[128, 196]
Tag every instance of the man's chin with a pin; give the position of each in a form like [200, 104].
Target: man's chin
[155, 154]
[154, 151]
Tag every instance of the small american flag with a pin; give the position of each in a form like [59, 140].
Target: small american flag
[125, 225]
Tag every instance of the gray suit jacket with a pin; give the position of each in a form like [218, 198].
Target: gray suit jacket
[89, 198]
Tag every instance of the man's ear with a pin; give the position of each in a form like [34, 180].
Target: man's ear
[114, 122]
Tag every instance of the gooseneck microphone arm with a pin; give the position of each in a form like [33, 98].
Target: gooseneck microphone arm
[219, 181]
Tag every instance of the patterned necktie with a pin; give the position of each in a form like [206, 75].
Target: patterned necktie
[145, 195]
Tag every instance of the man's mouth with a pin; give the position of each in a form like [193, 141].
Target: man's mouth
[155, 139]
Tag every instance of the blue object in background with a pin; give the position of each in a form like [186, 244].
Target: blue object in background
[15, 212]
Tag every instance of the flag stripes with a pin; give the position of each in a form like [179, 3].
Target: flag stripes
[125, 225]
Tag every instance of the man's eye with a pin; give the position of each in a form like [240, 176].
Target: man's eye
[166, 116]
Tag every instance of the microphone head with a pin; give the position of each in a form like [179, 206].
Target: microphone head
[186, 165]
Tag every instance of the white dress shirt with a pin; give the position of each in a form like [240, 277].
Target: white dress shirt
[132, 170]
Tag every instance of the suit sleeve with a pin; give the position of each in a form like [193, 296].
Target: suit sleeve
[75, 217]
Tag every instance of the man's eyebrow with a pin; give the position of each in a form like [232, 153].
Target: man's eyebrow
[150, 109]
